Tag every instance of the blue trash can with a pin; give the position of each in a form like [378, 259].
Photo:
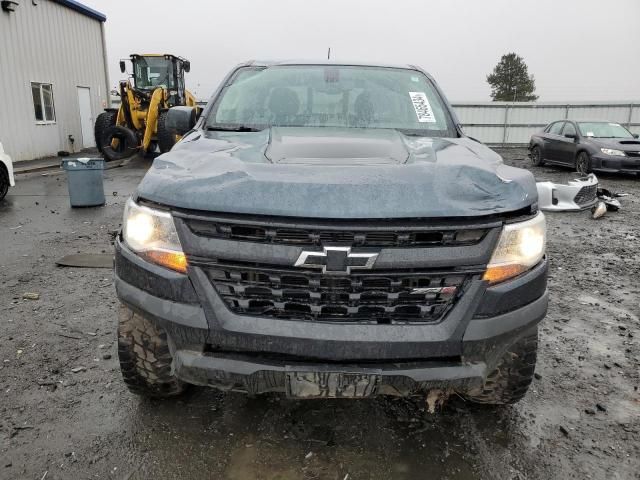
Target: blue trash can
[84, 179]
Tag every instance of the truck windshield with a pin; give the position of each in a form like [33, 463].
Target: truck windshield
[332, 96]
[152, 72]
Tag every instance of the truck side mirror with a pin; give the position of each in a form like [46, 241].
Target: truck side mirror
[186, 66]
[635, 135]
[123, 67]
[181, 119]
[571, 135]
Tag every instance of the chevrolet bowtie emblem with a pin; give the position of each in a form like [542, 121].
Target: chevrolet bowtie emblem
[336, 260]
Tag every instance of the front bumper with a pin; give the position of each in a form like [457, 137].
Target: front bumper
[578, 194]
[607, 163]
[251, 355]
[487, 338]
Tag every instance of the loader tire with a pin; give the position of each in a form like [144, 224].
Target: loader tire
[166, 138]
[145, 358]
[105, 120]
[509, 382]
[127, 143]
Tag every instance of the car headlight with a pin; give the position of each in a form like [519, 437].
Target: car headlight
[520, 248]
[152, 235]
[613, 152]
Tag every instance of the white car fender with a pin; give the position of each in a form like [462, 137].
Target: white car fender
[6, 161]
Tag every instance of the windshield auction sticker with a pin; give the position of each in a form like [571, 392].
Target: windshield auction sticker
[422, 107]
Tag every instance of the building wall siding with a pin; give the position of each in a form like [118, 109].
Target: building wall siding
[48, 43]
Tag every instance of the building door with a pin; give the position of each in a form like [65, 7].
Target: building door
[86, 118]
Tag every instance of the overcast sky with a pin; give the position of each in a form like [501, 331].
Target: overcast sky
[578, 50]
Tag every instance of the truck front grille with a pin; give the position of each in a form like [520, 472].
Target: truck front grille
[380, 297]
[314, 235]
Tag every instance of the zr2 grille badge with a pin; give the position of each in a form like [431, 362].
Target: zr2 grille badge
[434, 290]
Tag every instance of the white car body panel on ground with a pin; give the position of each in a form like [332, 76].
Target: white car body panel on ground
[578, 194]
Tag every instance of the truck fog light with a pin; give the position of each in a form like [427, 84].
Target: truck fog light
[152, 234]
[521, 247]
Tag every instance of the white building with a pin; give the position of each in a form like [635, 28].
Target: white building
[53, 76]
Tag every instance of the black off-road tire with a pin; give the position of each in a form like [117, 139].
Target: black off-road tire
[127, 144]
[536, 156]
[583, 163]
[509, 382]
[105, 120]
[145, 359]
[4, 182]
[166, 138]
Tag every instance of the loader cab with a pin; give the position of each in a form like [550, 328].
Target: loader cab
[160, 71]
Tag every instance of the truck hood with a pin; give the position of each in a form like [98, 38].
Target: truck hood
[336, 173]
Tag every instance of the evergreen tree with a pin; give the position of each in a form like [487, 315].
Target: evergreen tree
[510, 80]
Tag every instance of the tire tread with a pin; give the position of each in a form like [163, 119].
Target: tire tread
[105, 120]
[145, 358]
[166, 139]
[510, 380]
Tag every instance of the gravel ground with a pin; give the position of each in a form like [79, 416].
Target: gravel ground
[65, 414]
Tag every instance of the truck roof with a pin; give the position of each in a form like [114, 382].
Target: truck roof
[269, 63]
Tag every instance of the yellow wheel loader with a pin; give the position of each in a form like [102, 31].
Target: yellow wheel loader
[156, 84]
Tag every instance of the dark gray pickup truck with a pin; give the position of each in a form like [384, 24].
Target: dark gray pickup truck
[328, 230]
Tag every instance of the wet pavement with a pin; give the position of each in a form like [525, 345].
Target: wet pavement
[65, 412]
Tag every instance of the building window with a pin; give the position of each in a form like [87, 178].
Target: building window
[43, 102]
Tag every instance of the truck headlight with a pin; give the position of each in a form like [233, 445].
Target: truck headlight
[152, 235]
[520, 248]
[613, 152]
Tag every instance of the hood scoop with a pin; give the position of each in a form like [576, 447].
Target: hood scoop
[336, 146]
[629, 142]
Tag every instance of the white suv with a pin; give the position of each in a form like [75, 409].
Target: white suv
[6, 173]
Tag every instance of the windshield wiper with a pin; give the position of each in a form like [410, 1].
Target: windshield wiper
[414, 134]
[235, 128]
[420, 133]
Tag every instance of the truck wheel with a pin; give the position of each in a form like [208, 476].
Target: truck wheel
[536, 156]
[145, 359]
[105, 120]
[509, 382]
[166, 138]
[4, 182]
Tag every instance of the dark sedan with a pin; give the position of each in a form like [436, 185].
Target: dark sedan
[587, 146]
